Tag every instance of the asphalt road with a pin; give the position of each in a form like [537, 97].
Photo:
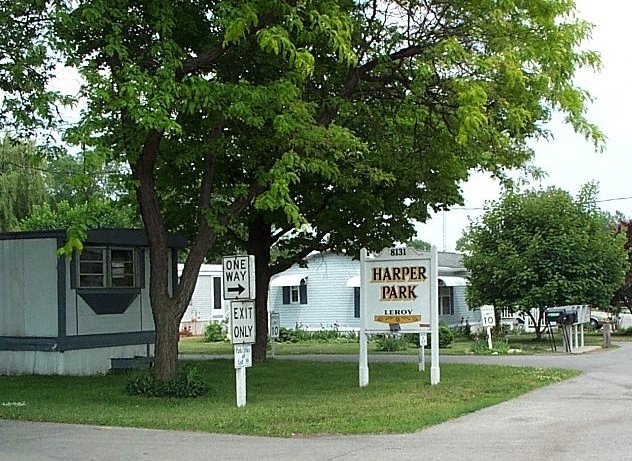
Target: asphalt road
[585, 418]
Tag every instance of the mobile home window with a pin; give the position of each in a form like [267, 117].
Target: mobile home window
[107, 268]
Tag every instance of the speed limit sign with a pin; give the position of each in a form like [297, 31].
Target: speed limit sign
[275, 324]
[488, 319]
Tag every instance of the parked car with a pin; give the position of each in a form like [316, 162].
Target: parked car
[598, 318]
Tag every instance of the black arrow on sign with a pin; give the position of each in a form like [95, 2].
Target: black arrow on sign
[239, 289]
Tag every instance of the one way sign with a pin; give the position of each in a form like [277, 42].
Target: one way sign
[239, 276]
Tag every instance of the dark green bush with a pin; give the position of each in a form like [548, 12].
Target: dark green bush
[498, 347]
[390, 343]
[298, 335]
[215, 332]
[623, 332]
[289, 335]
[187, 383]
[446, 336]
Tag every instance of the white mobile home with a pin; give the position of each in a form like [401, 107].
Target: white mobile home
[207, 303]
[75, 315]
[326, 294]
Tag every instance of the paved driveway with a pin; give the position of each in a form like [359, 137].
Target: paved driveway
[585, 418]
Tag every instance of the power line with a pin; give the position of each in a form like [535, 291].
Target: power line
[464, 208]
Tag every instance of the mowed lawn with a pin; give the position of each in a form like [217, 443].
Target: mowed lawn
[284, 398]
[527, 344]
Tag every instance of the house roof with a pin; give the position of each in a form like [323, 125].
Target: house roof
[446, 259]
[134, 237]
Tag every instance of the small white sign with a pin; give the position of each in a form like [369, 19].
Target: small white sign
[242, 322]
[239, 276]
[275, 324]
[488, 318]
[243, 356]
[423, 339]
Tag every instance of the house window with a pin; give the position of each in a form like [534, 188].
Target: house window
[446, 304]
[356, 302]
[108, 268]
[295, 294]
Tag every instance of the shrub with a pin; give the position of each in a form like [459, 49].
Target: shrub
[215, 332]
[288, 335]
[352, 336]
[446, 336]
[499, 347]
[325, 336]
[390, 343]
[623, 332]
[464, 330]
[297, 335]
[187, 383]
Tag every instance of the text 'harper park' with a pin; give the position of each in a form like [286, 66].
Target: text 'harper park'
[397, 281]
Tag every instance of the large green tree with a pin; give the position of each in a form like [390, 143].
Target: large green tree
[21, 182]
[623, 295]
[432, 98]
[543, 248]
[354, 117]
[83, 192]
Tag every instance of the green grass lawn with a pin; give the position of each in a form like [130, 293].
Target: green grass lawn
[527, 343]
[284, 398]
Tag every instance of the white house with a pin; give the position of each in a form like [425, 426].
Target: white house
[326, 293]
[207, 304]
[75, 315]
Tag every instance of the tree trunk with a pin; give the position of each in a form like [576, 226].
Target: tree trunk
[538, 324]
[259, 245]
[167, 308]
[166, 348]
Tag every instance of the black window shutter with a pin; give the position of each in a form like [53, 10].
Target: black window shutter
[286, 295]
[356, 302]
[302, 293]
[217, 293]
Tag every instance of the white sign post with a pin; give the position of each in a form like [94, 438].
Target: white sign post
[488, 320]
[239, 276]
[275, 328]
[399, 294]
[242, 335]
[423, 342]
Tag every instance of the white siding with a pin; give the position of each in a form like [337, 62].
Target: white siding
[329, 300]
[461, 309]
[28, 287]
[89, 323]
[201, 310]
[78, 362]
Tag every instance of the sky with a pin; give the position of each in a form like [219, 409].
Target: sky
[568, 159]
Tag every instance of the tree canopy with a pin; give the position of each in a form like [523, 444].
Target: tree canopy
[354, 117]
[543, 248]
[623, 296]
[22, 185]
